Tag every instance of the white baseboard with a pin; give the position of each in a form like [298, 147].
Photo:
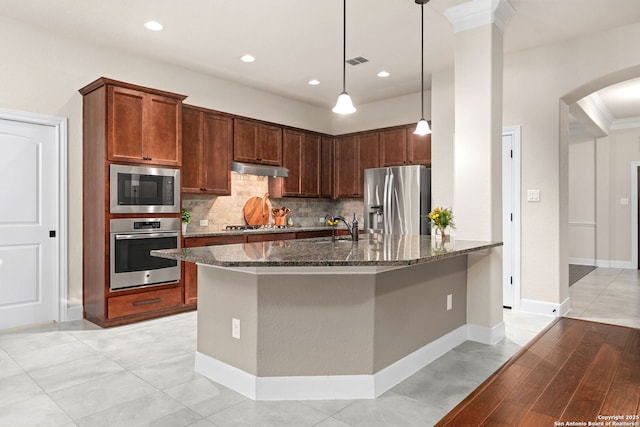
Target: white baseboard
[613, 264]
[74, 313]
[412, 363]
[545, 308]
[601, 263]
[486, 335]
[329, 387]
[582, 261]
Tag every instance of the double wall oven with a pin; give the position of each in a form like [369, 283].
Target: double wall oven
[144, 191]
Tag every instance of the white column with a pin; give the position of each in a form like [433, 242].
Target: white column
[477, 198]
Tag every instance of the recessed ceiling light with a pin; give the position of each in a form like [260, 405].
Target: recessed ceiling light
[247, 58]
[383, 74]
[153, 26]
[314, 82]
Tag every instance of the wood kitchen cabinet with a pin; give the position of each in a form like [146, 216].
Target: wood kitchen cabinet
[123, 123]
[327, 167]
[400, 146]
[142, 125]
[418, 148]
[301, 156]
[354, 154]
[207, 140]
[256, 142]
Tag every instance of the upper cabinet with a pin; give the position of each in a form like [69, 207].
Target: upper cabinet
[256, 142]
[354, 154]
[327, 167]
[207, 140]
[301, 156]
[143, 125]
[400, 146]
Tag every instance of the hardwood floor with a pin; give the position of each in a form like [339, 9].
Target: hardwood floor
[574, 371]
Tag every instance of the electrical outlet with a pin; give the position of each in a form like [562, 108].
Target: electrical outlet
[321, 219]
[204, 223]
[449, 302]
[235, 328]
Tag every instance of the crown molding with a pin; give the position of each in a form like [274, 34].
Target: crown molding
[477, 13]
[628, 123]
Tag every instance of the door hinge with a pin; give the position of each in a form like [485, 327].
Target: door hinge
[511, 217]
[52, 233]
[511, 280]
[511, 153]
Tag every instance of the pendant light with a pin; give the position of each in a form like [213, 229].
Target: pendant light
[344, 104]
[422, 128]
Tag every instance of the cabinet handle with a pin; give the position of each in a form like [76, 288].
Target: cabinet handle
[146, 302]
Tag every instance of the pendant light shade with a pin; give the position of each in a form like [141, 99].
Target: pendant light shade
[422, 128]
[344, 104]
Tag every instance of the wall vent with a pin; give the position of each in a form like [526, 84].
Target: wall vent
[357, 60]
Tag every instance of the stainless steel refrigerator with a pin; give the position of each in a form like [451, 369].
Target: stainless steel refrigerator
[397, 200]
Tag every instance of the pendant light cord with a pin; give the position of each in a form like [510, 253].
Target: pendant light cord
[422, 58]
[344, 47]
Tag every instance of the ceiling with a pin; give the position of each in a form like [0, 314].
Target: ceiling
[295, 41]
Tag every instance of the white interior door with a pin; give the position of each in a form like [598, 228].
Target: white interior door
[511, 217]
[28, 214]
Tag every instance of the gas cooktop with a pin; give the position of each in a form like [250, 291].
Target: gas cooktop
[252, 227]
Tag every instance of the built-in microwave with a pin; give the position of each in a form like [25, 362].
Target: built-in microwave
[139, 189]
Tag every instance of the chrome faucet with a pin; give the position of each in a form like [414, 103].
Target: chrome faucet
[353, 227]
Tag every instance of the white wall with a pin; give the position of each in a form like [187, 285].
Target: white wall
[582, 202]
[624, 146]
[534, 82]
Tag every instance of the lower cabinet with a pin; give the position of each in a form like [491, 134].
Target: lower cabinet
[127, 305]
[190, 269]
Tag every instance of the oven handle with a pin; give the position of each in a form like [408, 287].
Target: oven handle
[144, 236]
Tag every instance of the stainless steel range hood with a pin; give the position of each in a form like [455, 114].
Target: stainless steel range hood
[260, 170]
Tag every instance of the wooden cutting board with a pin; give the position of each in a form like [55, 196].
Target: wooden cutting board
[256, 210]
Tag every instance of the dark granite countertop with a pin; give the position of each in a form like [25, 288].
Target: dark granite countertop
[267, 230]
[371, 250]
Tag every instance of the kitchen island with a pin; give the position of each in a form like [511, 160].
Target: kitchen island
[328, 319]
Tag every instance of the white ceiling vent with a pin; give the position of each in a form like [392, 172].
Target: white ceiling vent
[357, 60]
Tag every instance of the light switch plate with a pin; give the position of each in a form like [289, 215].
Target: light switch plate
[533, 195]
[624, 201]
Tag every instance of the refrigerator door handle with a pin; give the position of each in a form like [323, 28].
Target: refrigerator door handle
[390, 210]
[385, 208]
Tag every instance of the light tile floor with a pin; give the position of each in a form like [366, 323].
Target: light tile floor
[608, 295]
[76, 374]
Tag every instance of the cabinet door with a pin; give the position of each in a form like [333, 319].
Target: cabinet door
[191, 174]
[269, 145]
[162, 125]
[216, 154]
[418, 149]
[310, 166]
[125, 118]
[245, 135]
[326, 167]
[368, 156]
[346, 167]
[393, 147]
[291, 159]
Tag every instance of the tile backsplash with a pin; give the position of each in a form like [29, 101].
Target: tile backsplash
[221, 211]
